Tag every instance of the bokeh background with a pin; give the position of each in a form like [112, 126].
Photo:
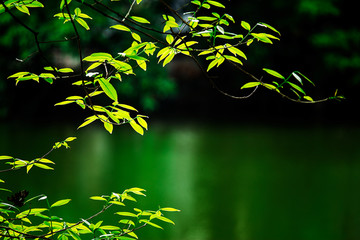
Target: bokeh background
[253, 169]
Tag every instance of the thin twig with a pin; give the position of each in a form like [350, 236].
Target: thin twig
[128, 13]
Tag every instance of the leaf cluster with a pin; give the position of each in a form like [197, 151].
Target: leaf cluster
[39, 222]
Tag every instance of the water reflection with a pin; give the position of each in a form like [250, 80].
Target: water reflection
[230, 182]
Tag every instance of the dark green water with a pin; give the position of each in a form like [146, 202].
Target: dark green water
[231, 182]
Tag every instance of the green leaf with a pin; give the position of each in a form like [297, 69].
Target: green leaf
[99, 56]
[216, 4]
[62, 3]
[136, 37]
[206, 18]
[23, 9]
[140, 19]
[205, 5]
[35, 4]
[127, 214]
[164, 219]
[169, 209]
[77, 11]
[108, 88]
[31, 211]
[3, 157]
[262, 37]
[47, 75]
[110, 228]
[136, 127]
[109, 127]
[63, 103]
[44, 160]
[245, 25]
[236, 51]
[196, 2]
[88, 121]
[270, 27]
[150, 223]
[229, 17]
[132, 234]
[60, 203]
[43, 166]
[142, 122]
[308, 98]
[98, 198]
[234, 59]
[49, 69]
[169, 38]
[296, 87]
[270, 86]
[127, 107]
[305, 77]
[169, 58]
[65, 70]
[212, 64]
[127, 222]
[274, 73]
[82, 23]
[121, 28]
[117, 203]
[94, 65]
[250, 85]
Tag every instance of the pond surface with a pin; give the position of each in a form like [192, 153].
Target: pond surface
[243, 182]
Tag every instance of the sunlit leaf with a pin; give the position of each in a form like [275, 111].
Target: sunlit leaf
[164, 219]
[108, 88]
[308, 98]
[245, 25]
[136, 36]
[169, 38]
[150, 223]
[43, 166]
[270, 86]
[63, 103]
[132, 234]
[127, 214]
[305, 77]
[250, 85]
[233, 59]
[215, 3]
[212, 64]
[206, 18]
[136, 127]
[139, 19]
[121, 28]
[169, 209]
[270, 27]
[44, 160]
[236, 51]
[273, 73]
[262, 37]
[127, 222]
[3, 157]
[142, 122]
[88, 121]
[109, 127]
[65, 70]
[98, 198]
[110, 228]
[60, 203]
[23, 9]
[296, 87]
